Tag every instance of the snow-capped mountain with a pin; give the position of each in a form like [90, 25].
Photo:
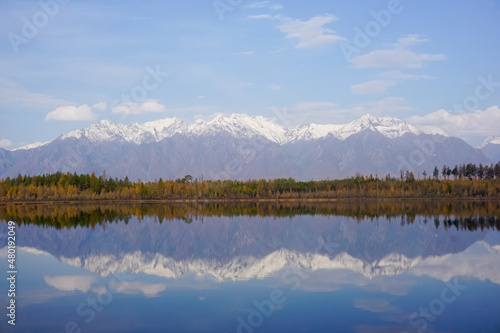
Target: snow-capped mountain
[220, 249]
[241, 268]
[491, 148]
[466, 263]
[133, 133]
[239, 146]
[155, 131]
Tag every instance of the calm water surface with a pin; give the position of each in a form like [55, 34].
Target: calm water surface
[373, 267]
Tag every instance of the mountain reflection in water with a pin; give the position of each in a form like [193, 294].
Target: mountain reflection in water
[380, 262]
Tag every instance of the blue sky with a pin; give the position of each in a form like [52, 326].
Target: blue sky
[65, 64]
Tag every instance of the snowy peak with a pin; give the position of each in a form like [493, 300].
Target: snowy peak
[387, 126]
[133, 133]
[240, 125]
[314, 131]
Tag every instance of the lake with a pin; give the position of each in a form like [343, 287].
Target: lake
[388, 266]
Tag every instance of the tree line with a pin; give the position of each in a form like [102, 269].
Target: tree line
[462, 181]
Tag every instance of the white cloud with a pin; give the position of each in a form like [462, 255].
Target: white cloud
[274, 87]
[101, 106]
[70, 282]
[12, 94]
[308, 34]
[200, 97]
[149, 106]
[148, 289]
[400, 56]
[263, 4]
[372, 87]
[394, 58]
[471, 125]
[71, 113]
[312, 33]
[5, 143]
[409, 40]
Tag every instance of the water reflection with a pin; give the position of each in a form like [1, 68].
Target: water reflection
[264, 267]
[469, 215]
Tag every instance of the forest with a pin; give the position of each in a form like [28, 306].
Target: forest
[461, 181]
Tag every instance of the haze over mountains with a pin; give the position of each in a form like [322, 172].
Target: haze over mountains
[244, 147]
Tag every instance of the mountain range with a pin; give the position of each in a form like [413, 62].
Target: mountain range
[243, 147]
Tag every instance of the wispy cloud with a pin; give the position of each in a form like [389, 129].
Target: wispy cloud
[132, 108]
[245, 53]
[398, 75]
[5, 143]
[310, 34]
[13, 94]
[390, 79]
[324, 112]
[262, 5]
[372, 87]
[274, 87]
[375, 305]
[267, 17]
[384, 107]
[398, 56]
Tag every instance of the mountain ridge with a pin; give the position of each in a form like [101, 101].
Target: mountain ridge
[242, 147]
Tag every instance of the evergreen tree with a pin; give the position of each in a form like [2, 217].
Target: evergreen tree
[436, 173]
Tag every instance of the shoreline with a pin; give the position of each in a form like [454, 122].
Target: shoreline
[236, 200]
